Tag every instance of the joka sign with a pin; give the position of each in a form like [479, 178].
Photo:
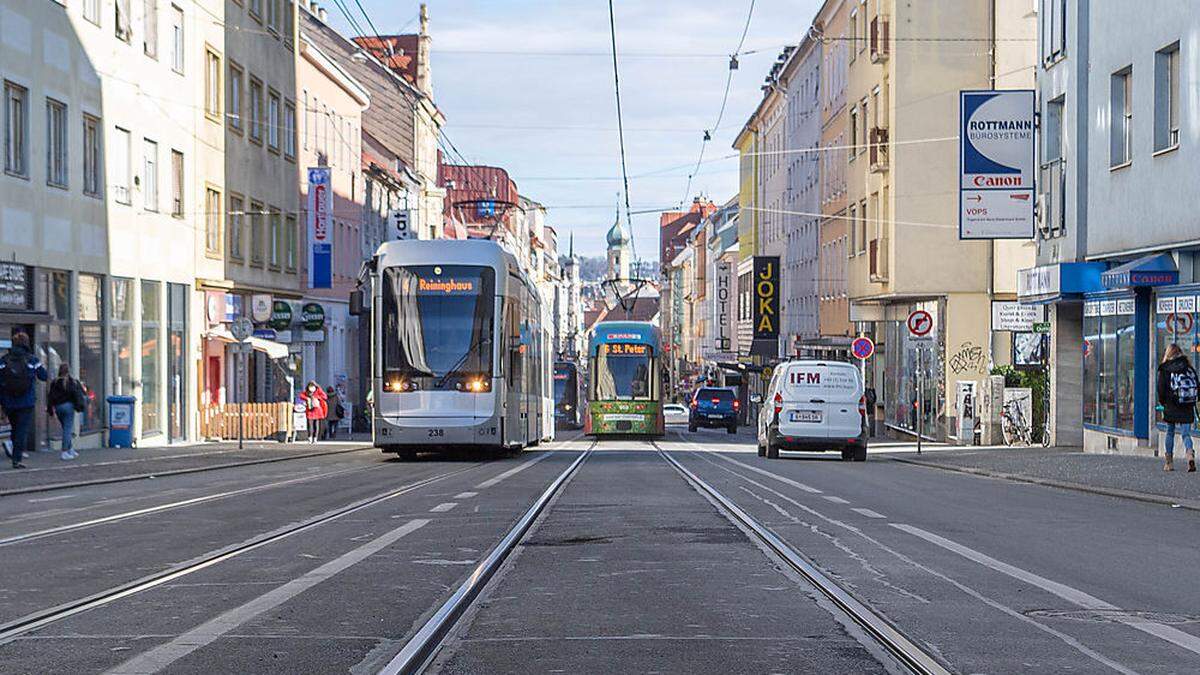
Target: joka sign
[766, 297]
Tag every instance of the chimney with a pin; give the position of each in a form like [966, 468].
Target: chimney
[313, 7]
[322, 15]
[424, 74]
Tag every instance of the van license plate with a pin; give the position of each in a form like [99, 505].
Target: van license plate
[806, 415]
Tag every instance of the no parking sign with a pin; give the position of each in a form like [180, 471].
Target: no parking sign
[863, 348]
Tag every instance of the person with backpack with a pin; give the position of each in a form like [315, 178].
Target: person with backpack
[337, 412]
[18, 370]
[1177, 391]
[65, 398]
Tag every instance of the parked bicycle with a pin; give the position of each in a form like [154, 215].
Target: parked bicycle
[1017, 430]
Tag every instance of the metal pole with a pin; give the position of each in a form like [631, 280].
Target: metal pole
[242, 399]
[920, 396]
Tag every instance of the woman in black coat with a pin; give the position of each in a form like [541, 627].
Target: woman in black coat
[1177, 390]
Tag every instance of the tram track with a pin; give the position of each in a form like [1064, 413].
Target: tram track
[889, 638]
[425, 644]
[39, 619]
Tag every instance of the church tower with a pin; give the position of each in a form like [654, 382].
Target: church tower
[619, 252]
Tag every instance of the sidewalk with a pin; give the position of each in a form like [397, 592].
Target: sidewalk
[106, 465]
[1126, 476]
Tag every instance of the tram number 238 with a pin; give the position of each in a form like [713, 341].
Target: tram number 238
[436, 433]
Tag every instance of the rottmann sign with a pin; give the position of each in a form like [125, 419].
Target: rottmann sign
[996, 164]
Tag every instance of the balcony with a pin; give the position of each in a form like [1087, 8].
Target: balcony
[878, 144]
[880, 36]
[877, 253]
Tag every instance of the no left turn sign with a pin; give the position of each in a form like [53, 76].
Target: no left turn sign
[920, 323]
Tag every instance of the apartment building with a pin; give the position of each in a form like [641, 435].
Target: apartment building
[832, 24]
[1117, 259]
[904, 253]
[331, 138]
[259, 240]
[104, 105]
[800, 79]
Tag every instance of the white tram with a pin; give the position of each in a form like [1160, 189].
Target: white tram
[461, 353]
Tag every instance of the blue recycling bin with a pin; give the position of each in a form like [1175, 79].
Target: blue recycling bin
[120, 421]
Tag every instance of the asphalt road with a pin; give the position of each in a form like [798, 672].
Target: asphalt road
[629, 569]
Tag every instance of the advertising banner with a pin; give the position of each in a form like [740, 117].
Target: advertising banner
[765, 300]
[996, 164]
[1013, 316]
[320, 224]
[722, 307]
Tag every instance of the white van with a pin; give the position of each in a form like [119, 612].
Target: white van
[814, 405]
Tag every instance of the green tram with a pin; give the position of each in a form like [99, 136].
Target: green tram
[624, 380]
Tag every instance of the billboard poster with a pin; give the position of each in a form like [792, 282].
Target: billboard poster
[766, 297]
[320, 221]
[722, 305]
[997, 161]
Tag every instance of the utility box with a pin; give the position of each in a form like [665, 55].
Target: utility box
[120, 421]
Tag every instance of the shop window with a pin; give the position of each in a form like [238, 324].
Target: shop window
[1109, 387]
[151, 354]
[90, 299]
[122, 348]
[177, 297]
[1175, 323]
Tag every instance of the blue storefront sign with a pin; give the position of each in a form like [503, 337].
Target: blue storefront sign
[1152, 270]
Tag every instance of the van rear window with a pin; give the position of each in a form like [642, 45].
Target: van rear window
[822, 378]
[723, 395]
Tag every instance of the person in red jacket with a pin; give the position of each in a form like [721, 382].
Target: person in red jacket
[316, 407]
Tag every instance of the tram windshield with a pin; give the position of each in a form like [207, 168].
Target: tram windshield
[437, 326]
[564, 384]
[624, 372]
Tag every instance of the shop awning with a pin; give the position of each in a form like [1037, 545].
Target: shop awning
[272, 349]
[1153, 270]
[1059, 282]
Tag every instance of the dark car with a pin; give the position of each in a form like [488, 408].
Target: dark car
[714, 407]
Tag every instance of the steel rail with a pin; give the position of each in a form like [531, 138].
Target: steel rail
[895, 643]
[17, 627]
[425, 643]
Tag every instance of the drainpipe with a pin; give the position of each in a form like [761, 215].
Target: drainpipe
[991, 244]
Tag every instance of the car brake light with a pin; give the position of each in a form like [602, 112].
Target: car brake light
[716, 401]
[778, 403]
[693, 404]
[737, 404]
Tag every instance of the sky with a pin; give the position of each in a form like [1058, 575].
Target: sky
[528, 86]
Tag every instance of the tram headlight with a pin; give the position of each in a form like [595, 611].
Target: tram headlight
[477, 385]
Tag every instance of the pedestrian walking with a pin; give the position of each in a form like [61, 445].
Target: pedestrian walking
[1177, 391]
[869, 398]
[316, 407]
[64, 399]
[19, 369]
[337, 412]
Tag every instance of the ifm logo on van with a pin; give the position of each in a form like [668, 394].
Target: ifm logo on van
[806, 378]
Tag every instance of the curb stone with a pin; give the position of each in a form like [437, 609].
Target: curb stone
[172, 472]
[1190, 504]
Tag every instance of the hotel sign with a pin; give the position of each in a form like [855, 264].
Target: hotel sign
[722, 303]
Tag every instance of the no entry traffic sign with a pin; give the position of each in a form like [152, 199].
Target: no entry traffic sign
[920, 323]
[863, 348]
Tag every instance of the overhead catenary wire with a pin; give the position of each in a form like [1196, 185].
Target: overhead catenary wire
[687, 191]
[612, 30]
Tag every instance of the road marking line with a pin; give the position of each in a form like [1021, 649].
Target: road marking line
[835, 500]
[869, 513]
[511, 472]
[208, 632]
[52, 499]
[786, 481]
[167, 507]
[1008, 611]
[465, 495]
[1073, 595]
[443, 507]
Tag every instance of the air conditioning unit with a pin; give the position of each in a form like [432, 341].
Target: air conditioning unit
[880, 36]
[878, 144]
[877, 252]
